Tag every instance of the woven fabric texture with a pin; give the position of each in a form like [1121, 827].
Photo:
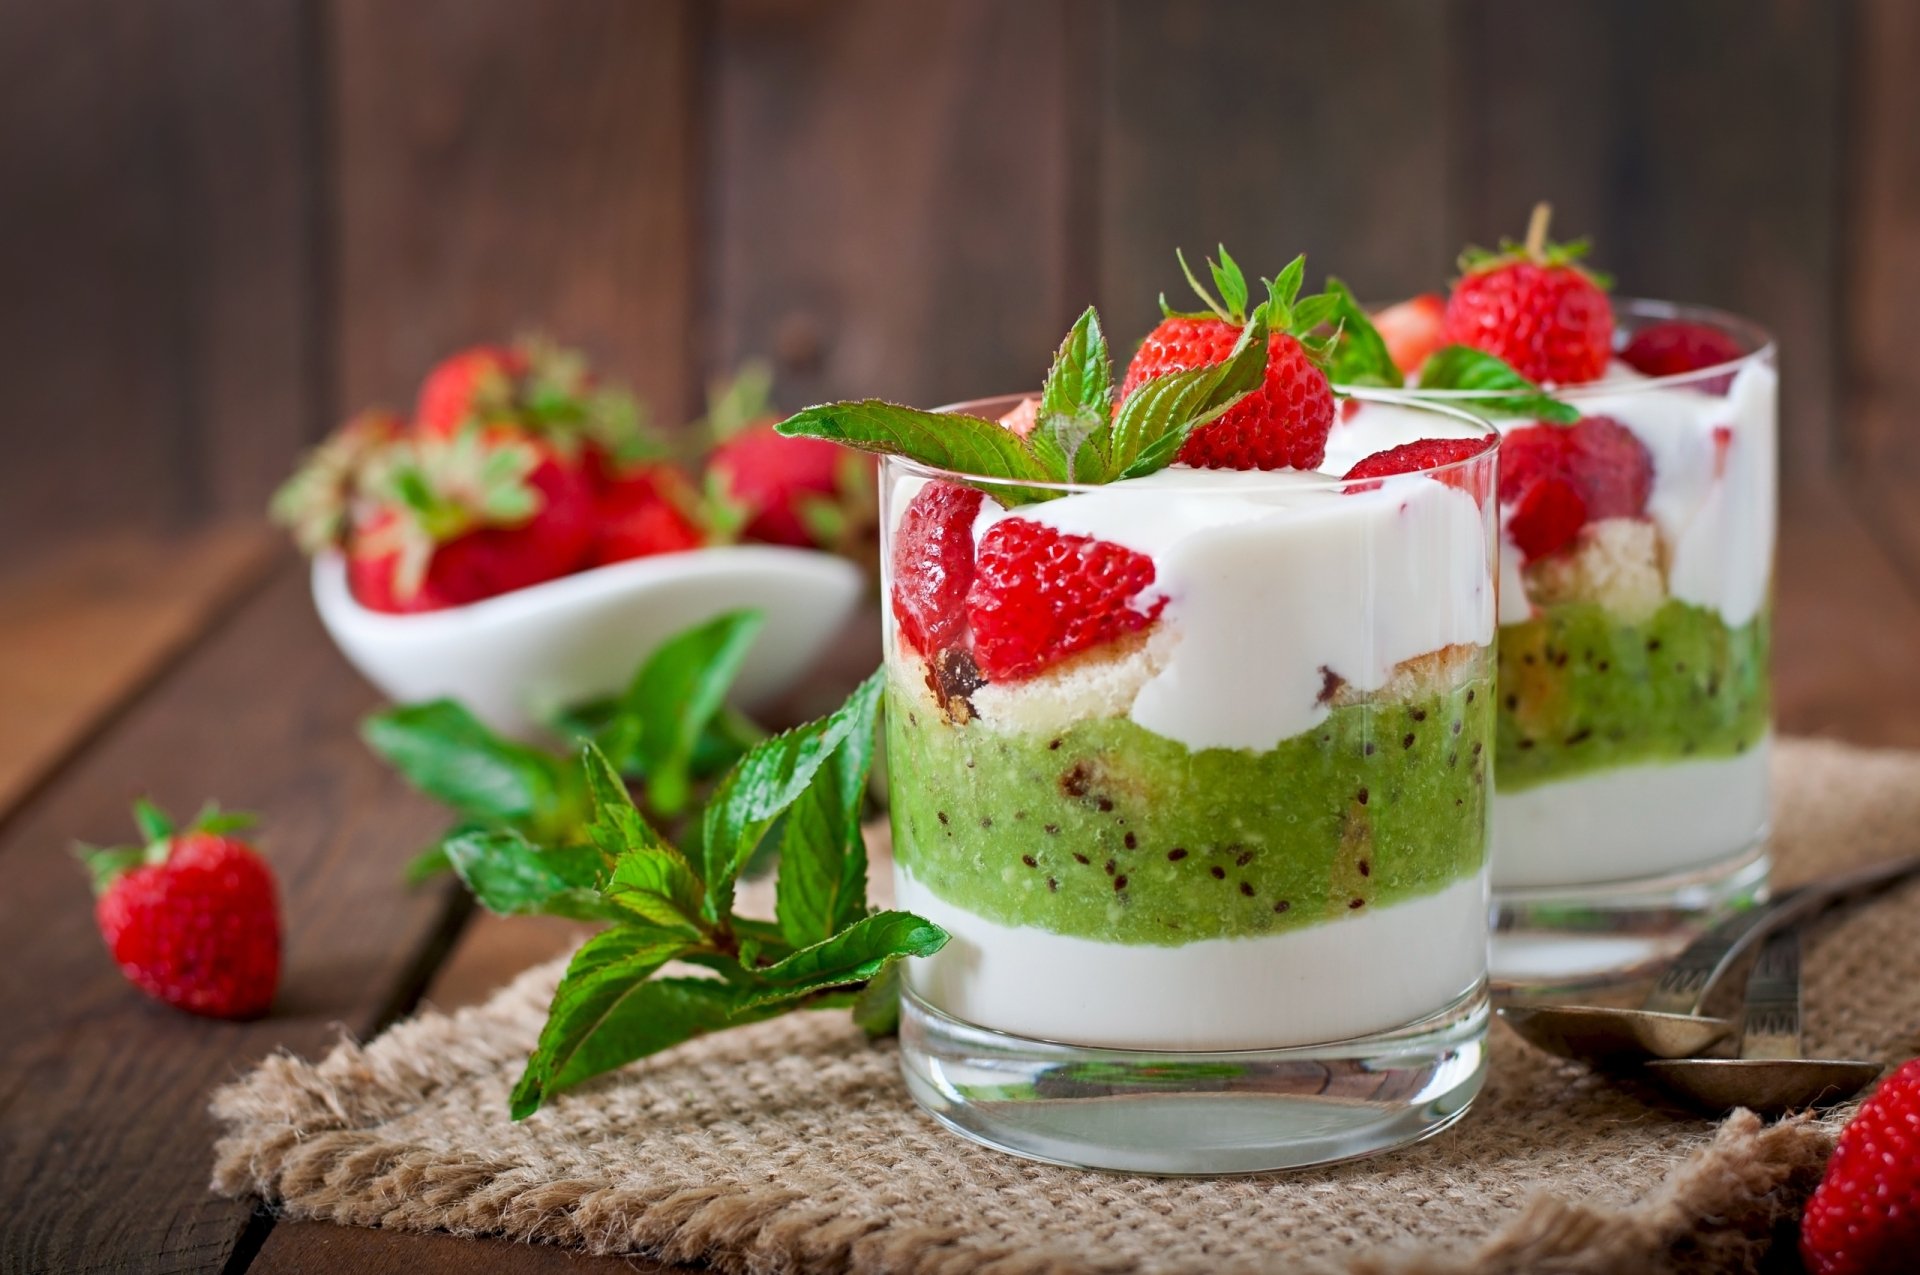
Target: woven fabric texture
[792, 1145]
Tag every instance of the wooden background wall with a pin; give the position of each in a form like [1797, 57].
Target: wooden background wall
[225, 222]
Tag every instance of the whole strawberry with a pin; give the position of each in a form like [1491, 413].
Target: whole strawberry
[476, 384]
[1413, 330]
[1864, 1218]
[191, 917]
[647, 511]
[1532, 306]
[803, 492]
[1282, 425]
[448, 521]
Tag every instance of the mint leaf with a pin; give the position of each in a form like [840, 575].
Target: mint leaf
[445, 752]
[513, 877]
[674, 697]
[1157, 417]
[854, 955]
[651, 880]
[607, 1012]
[1232, 283]
[1082, 375]
[769, 779]
[432, 861]
[876, 1011]
[1358, 354]
[616, 826]
[943, 440]
[1499, 390]
[822, 884]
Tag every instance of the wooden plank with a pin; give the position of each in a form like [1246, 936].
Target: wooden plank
[315, 1248]
[504, 165]
[1697, 142]
[890, 194]
[155, 288]
[84, 629]
[1275, 129]
[105, 1148]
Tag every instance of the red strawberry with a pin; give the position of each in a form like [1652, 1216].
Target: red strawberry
[1675, 347]
[316, 504]
[476, 384]
[771, 480]
[1040, 595]
[1427, 453]
[191, 917]
[1281, 425]
[1556, 478]
[933, 566]
[1864, 1217]
[1531, 306]
[646, 513]
[461, 519]
[1413, 329]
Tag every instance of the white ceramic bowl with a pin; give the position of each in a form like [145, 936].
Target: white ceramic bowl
[515, 658]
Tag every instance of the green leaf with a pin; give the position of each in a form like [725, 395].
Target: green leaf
[616, 826]
[1359, 353]
[1498, 389]
[429, 863]
[768, 780]
[1232, 283]
[219, 822]
[877, 1009]
[153, 822]
[1077, 399]
[446, 752]
[854, 955]
[822, 886]
[658, 885]
[511, 876]
[676, 694]
[104, 866]
[1157, 417]
[608, 1011]
[943, 440]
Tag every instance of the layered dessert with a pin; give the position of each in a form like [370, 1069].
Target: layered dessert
[1637, 532]
[1189, 751]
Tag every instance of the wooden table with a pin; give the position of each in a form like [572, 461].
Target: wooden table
[197, 669]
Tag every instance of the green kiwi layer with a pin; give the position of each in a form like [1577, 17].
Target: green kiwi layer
[1582, 691]
[1106, 830]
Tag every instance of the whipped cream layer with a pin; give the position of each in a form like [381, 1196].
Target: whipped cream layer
[1636, 821]
[1350, 976]
[1274, 580]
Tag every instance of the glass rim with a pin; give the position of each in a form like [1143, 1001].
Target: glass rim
[1764, 348]
[1479, 425]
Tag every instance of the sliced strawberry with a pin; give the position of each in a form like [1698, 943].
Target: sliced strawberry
[1676, 347]
[645, 513]
[1426, 453]
[1556, 478]
[1413, 329]
[1282, 425]
[1040, 595]
[933, 566]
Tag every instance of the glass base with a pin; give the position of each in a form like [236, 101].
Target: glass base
[1173, 1113]
[1554, 941]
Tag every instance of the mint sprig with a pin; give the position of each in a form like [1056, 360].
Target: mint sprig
[823, 949]
[1497, 389]
[1357, 353]
[670, 730]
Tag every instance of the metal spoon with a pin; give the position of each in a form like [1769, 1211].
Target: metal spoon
[1669, 1023]
[1770, 1076]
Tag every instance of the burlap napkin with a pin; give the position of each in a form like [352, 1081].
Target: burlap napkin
[791, 1146]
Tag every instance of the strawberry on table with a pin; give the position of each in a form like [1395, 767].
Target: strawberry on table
[1040, 595]
[191, 916]
[1864, 1217]
[1533, 306]
[1413, 330]
[1282, 425]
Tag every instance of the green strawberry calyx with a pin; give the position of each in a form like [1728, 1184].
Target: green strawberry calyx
[1285, 309]
[316, 504]
[1535, 249]
[439, 489]
[107, 864]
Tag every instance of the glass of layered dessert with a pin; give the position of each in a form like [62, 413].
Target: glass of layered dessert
[1637, 530]
[1191, 758]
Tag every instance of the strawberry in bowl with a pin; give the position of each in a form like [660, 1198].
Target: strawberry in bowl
[523, 542]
